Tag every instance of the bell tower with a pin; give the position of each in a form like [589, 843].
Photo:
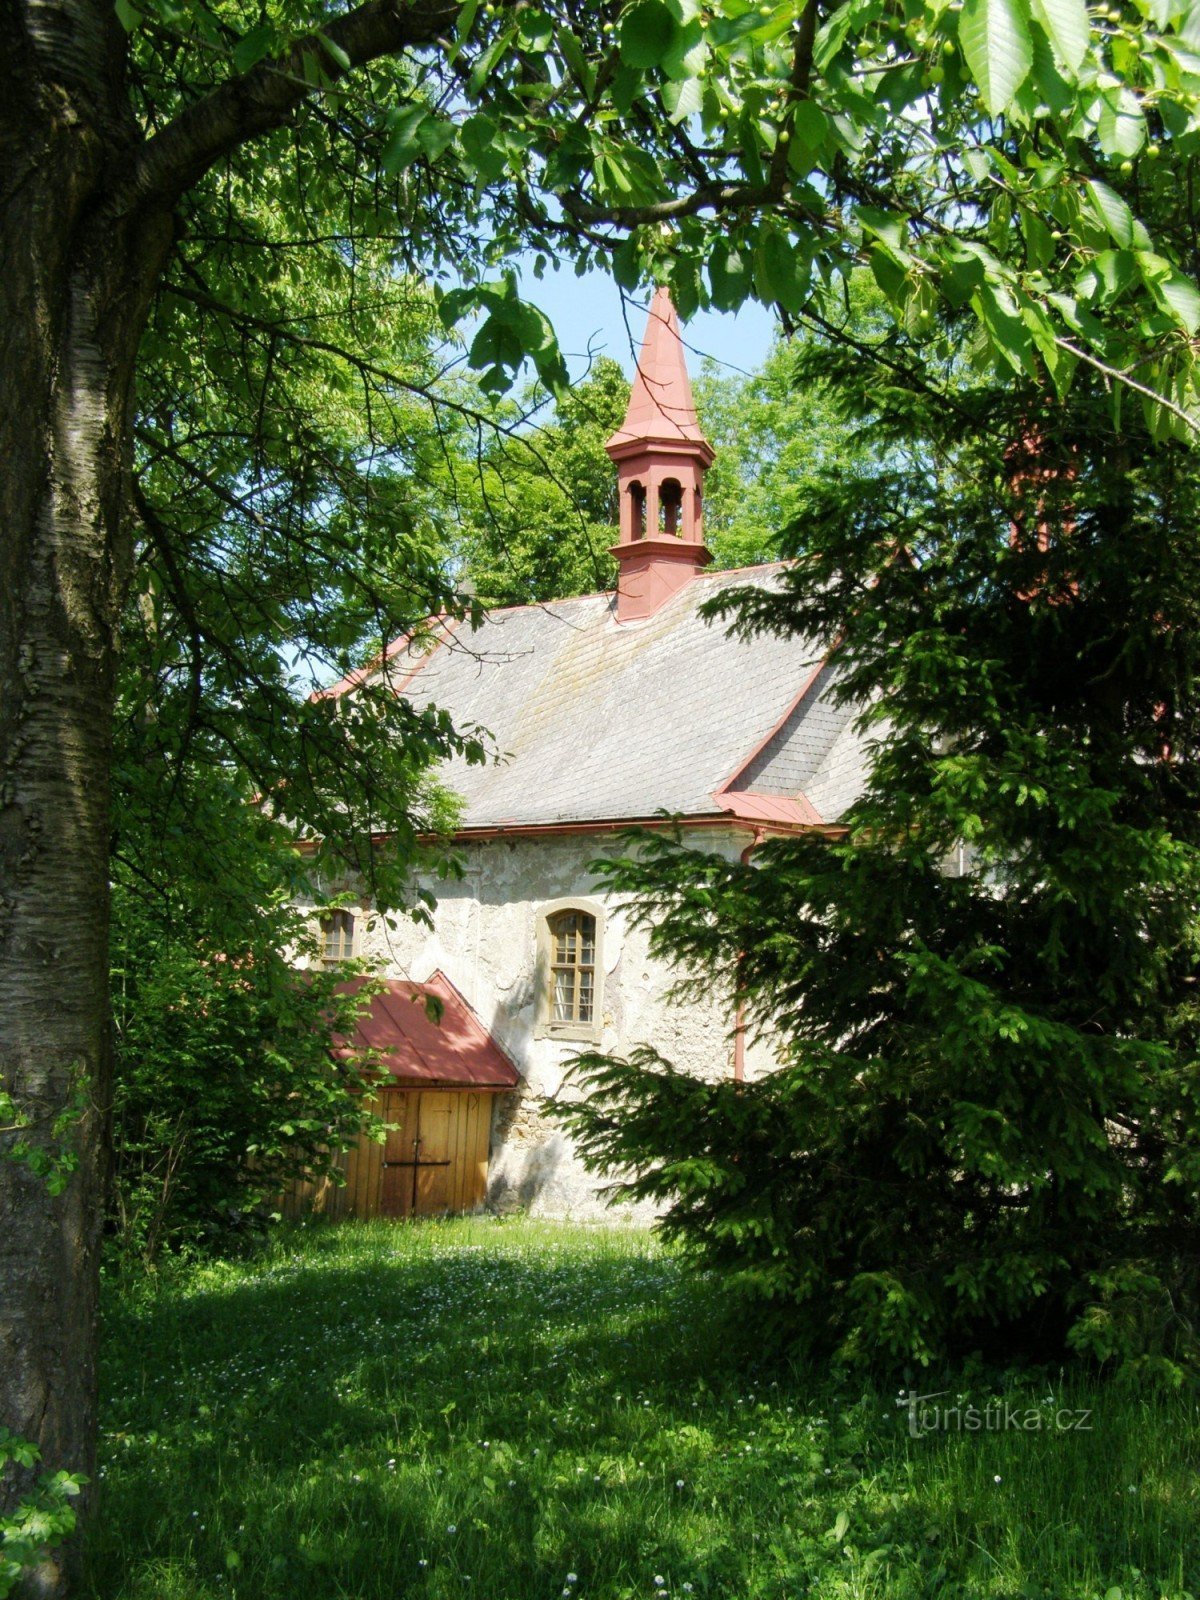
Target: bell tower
[661, 457]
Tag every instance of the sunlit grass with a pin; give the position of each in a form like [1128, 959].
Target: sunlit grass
[516, 1411]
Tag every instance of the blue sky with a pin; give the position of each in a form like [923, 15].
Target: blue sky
[591, 311]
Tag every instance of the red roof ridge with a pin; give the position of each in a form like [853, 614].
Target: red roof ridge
[792, 705]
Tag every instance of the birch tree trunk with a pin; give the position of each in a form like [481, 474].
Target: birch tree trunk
[75, 283]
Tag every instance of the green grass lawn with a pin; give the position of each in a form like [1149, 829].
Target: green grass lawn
[516, 1411]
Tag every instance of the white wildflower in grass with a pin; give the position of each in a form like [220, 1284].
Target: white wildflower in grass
[572, 1577]
[996, 1479]
[679, 1483]
[452, 1527]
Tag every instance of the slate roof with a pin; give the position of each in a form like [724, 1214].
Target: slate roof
[595, 721]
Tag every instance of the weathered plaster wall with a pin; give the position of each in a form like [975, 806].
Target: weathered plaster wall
[484, 939]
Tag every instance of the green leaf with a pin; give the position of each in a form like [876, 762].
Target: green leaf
[647, 30]
[433, 135]
[1066, 24]
[626, 261]
[688, 52]
[1001, 317]
[1173, 291]
[810, 128]
[253, 46]
[128, 15]
[682, 99]
[1122, 126]
[889, 227]
[729, 275]
[335, 52]
[403, 147]
[1113, 212]
[481, 149]
[570, 49]
[994, 35]
[781, 272]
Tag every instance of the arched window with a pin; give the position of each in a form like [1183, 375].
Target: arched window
[570, 937]
[572, 966]
[337, 928]
[637, 509]
[670, 506]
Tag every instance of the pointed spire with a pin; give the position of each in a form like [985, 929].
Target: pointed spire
[661, 408]
[661, 456]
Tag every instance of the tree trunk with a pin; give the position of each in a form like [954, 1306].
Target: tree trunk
[75, 283]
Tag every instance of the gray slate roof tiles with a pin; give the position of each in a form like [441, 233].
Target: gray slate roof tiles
[595, 721]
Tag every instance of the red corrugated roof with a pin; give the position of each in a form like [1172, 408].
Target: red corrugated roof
[456, 1053]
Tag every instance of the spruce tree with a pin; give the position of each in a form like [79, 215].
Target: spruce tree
[983, 1134]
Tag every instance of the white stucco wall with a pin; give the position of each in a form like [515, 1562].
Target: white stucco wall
[484, 939]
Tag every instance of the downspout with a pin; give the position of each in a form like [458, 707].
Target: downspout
[739, 1021]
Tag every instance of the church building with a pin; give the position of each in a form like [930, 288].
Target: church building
[603, 711]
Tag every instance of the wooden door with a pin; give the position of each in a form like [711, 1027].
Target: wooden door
[420, 1157]
[437, 1116]
[396, 1185]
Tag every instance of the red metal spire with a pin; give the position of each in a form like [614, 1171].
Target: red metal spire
[661, 408]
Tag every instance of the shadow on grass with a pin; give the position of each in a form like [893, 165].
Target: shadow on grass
[522, 1411]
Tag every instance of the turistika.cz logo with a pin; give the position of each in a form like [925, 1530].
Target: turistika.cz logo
[995, 1416]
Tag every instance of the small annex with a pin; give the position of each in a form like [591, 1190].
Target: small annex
[601, 711]
[440, 1072]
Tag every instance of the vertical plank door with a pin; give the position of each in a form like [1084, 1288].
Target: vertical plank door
[399, 1150]
[437, 1125]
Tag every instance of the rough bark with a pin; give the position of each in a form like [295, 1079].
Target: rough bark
[85, 229]
[75, 282]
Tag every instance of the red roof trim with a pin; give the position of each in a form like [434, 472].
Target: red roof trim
[523, 830]
[355, 679]
[762, 744]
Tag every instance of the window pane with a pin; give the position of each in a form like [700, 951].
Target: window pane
[564, 996]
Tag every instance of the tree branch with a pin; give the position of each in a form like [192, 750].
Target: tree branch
[263, 98]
